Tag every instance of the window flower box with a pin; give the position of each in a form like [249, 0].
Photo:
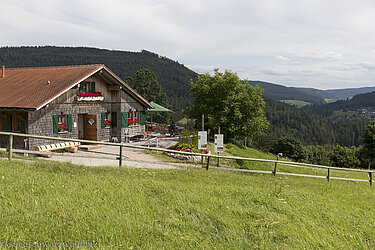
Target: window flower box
[134, 122]
[108, 124]
[94, 96]
[62, 128]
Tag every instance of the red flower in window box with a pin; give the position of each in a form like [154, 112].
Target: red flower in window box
[63, 127]
[137, 121]
[108, 122]
[130, 121]
[92, 94]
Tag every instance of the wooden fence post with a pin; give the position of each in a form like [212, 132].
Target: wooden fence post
[208, 162]
[329, 173]
[370, 175]
[274, 170]
[120, 159]
[10, 147]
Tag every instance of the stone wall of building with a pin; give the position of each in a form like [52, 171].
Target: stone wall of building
[128, 104]
[41, 122]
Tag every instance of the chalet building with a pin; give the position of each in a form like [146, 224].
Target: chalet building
[85, 102]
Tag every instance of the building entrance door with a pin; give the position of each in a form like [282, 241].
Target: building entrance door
[90, 127]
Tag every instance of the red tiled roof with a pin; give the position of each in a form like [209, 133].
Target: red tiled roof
[32, 88]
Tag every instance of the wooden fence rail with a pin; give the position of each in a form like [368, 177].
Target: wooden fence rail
[208, 156]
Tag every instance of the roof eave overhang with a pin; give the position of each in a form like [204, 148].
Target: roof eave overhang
[131, 90]
[16, 109]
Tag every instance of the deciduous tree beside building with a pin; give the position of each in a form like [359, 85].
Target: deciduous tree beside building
[237, 108]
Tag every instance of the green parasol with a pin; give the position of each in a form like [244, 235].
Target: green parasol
[158, 108]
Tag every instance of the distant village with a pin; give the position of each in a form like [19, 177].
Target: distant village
[368, 113]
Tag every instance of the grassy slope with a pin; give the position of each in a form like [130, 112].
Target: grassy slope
[135, 208]
[327, 100]
[253, 153]
[234, 150]
[295, 102]
[340, 113]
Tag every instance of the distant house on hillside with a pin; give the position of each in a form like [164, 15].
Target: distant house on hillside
[85, 102]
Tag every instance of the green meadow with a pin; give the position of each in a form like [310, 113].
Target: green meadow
[43, 201]
[296, 103]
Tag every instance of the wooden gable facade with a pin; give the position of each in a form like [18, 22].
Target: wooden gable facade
[89, 102]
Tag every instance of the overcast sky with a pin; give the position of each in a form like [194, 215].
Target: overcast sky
[319, 43]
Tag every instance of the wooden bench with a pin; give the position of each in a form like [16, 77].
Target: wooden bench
[68, 146]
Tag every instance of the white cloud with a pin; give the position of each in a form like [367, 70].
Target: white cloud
[329, 55]
[201, 69]
[307, 43]
[282, 58]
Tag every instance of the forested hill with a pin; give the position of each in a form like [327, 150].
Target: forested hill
[173, 76]
[360, 101]
[311, 95]
[280, 92]
[337, 94]
[347, 93]
[311, 129]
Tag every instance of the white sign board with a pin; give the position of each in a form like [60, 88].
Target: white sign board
[219, 143]
[202, 139]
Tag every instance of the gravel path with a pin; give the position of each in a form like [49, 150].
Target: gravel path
[106, 156]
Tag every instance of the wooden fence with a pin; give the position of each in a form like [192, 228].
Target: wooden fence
[207, 156]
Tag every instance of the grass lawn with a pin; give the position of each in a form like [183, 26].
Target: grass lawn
[296, 103]
[185, 208]
[340, 113]
[234, 150]
[253, 153]
[327, 100]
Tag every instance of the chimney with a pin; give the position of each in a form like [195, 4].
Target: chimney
[3, 71]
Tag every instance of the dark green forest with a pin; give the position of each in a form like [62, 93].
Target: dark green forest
[172, 76]
[359, 101]
[280, 92]
[311, 129]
